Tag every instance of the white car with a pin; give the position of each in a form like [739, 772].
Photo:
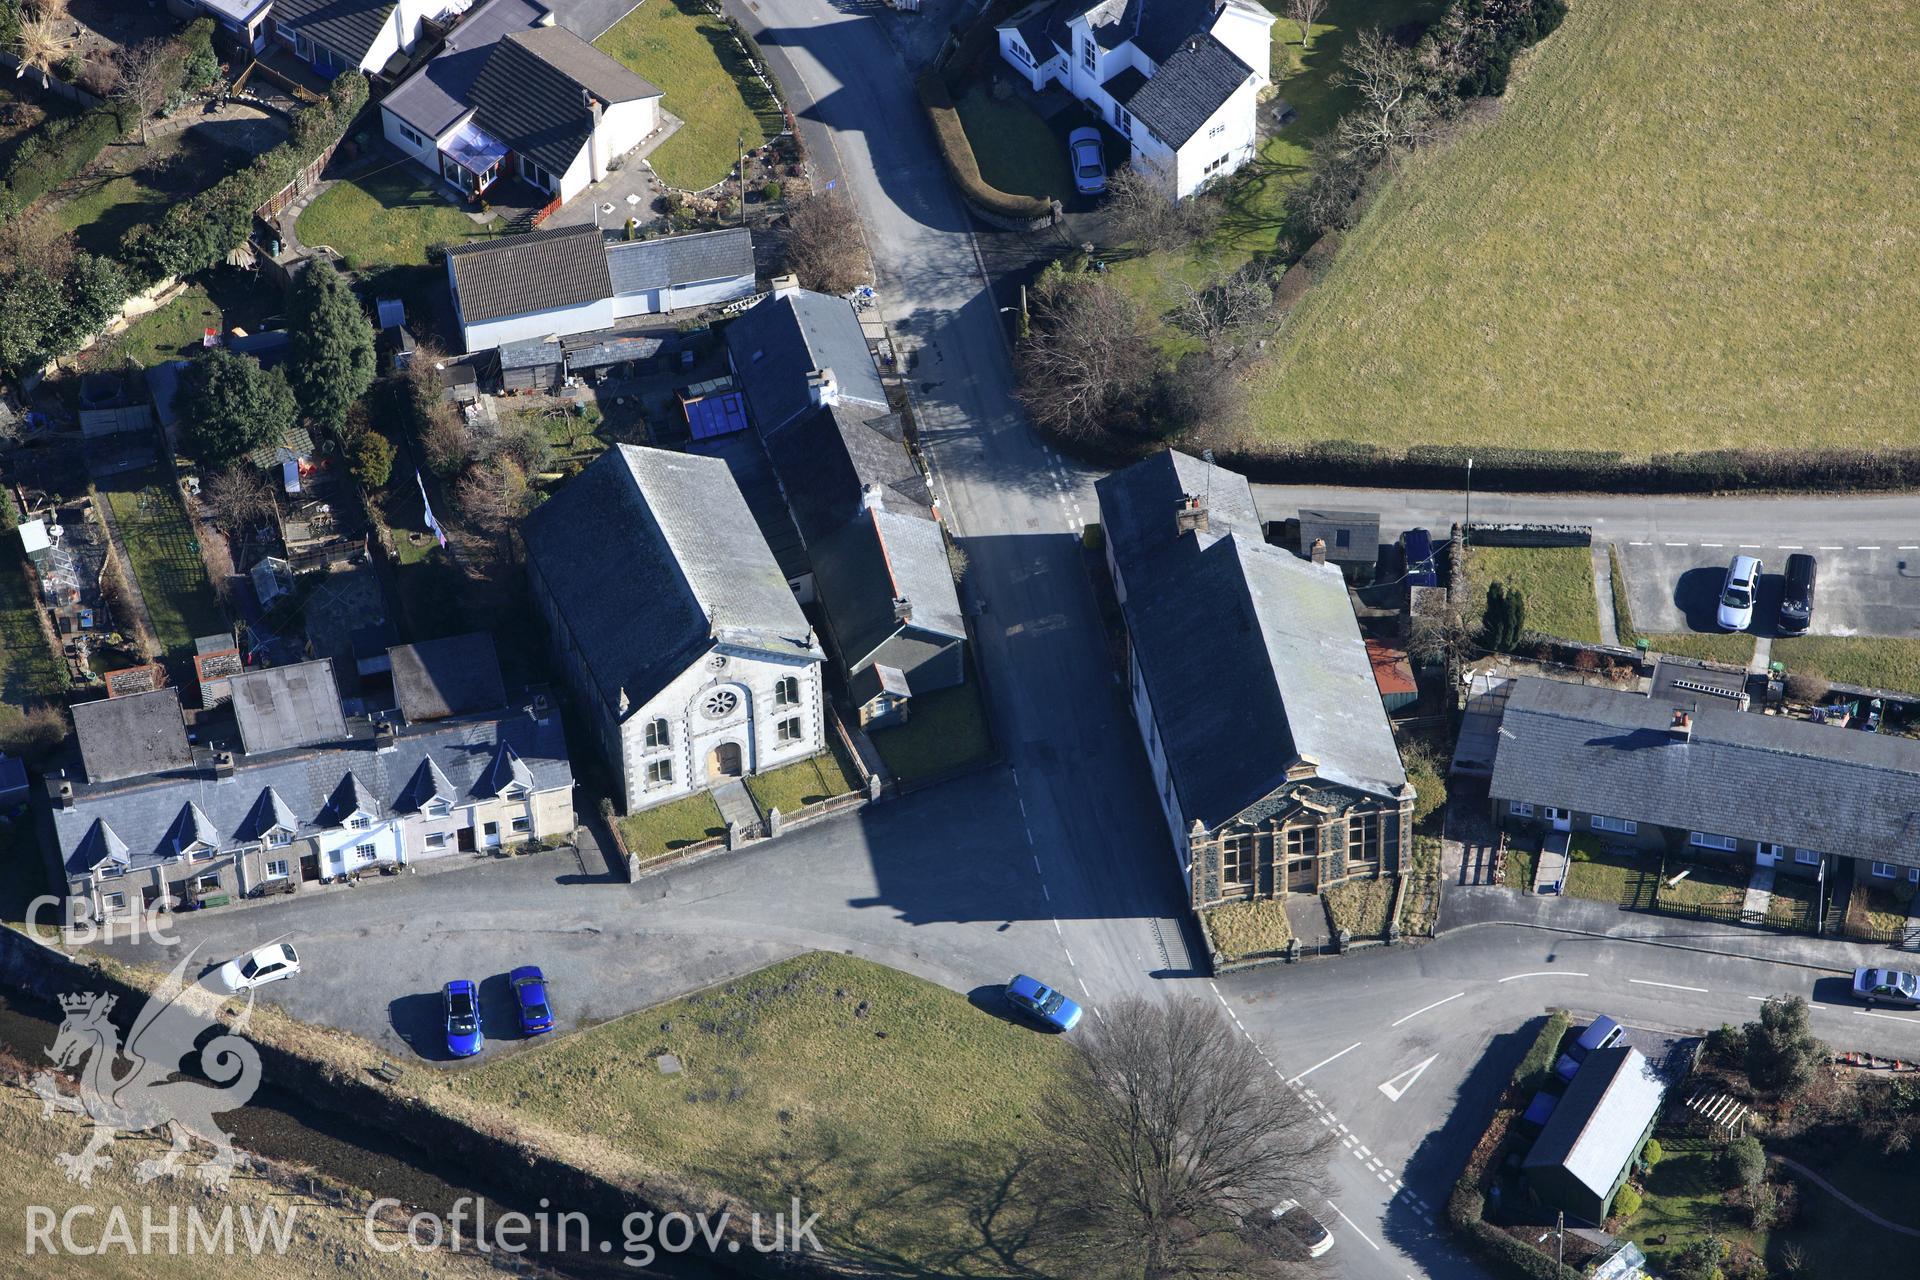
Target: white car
[269, 964]
[1303, 1226]
[1736, 595]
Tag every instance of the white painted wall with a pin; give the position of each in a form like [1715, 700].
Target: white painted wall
[538, 324]
[1234, 141]
[424, 151]
[336, 847]
[1249, 33]
[1028, 62]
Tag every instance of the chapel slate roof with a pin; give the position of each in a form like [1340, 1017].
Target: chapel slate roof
[1753, 777]
[776, 344]
[344, 26]
[531, 272]
[639, 265]
[862, 569]
[1192, 83]
[529, 93]
[653, 558]
[435, 96]
[1596, 1128]
[826, 460]
[126, 737]
[314, 786]
[1252, 657]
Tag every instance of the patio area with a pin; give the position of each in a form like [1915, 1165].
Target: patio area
[631, 189]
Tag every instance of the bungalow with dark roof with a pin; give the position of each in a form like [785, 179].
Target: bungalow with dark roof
[333, 36]
[1179, 79]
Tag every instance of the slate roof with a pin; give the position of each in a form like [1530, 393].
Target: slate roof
[826, 459]
[311, 787]
[435, 96]
[126, 737]
[747, 459]
[345, 26]
[528, 95]
[861, 570]
[534, 271]
[1193, 82]
[638, 265]
[1252, 657]
[1363, 533]
[292, 706]
[1596, 1127]
[435, 679]
[1754, 777]
[776, 344]
[653, 558]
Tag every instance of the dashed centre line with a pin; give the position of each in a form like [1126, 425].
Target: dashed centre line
[1671, 986]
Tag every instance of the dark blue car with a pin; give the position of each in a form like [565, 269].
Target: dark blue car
[1036, 1000]
[464, 1037]
[530, 998]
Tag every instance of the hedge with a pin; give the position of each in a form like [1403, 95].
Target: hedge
[67, 145]
[958, 153]
[1535, 1071]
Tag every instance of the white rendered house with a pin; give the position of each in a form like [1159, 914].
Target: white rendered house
[1179, 79]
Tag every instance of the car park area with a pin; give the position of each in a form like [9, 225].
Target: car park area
[1864, 589]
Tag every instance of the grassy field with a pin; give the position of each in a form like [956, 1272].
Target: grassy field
[1362, 907]
[1249, 928]
[792, 787]
[1686, 229]
[691, 55]
[152, 526]
[879, 1098]
[1877, 662]
[945, 730]
[1556, 582]
[1017, 150]
[674, 825]
[388, 216]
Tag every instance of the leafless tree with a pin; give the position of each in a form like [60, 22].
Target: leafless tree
[1226, 312]
[238, 497]
[1306, 13]
[1171, 1139]
[1808, 686]
[147, 76]
[1139, 211]
[1336, 180]
[1394, 109]
[824, 245]
[492, 497]
[1441, 630]
[1087, 350]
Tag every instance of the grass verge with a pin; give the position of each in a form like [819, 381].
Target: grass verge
[792, 787]
[1362, 907]
[1556, 583]
[1734, 649]
[1017, 150]
[1521, 864]
[691, 55]
[1250, 928]
[834, 1078]
[1422, 903]
[1874, 662]
[388, 216]
[152, 526]
[945, 730]
[673, 825]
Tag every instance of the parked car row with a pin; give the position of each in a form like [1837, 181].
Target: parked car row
[532, 1010]
[1742, 586]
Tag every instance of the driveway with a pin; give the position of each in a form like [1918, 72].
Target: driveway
[1864, 588]
[588, 19]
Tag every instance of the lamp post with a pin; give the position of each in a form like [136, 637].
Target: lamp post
[1466, 530]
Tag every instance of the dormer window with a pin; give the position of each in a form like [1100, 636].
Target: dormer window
[515, 792]
[279, 838]
[438, 808]
[360, 822]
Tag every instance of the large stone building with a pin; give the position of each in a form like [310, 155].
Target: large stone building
[1271, 753]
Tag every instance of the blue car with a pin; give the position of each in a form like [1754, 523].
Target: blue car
[464, 1037]
[530, 998]
[1036, 1000]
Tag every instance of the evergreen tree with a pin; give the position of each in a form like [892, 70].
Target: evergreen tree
[333, 363]
[230, 406]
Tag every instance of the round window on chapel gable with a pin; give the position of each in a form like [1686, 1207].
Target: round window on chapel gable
[720, 704]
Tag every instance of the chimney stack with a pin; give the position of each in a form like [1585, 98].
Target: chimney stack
[223, 764]
[384, 739]
[542, 708]
[596, 145]
[1191, 514]
[1318, 552]
[784, 286]
[872, 499]
[1682, 724]
[823, 388]
[61, 792]
[902, 609]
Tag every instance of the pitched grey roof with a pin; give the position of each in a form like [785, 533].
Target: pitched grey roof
[312, 784]
[1252, 657]
[1192, 83]
[190, 827]
[1753, 777]
[429, 782]
[653, 558]
[638, 265]
[126, 737]
[776, 344]
[828, 458]
[1138, 504]
[535, 271]
[435, 96]
[1597, 1126]
[344, 26]
[752, 470]
[453, 676]
[1362, 528]
[503, 771]
[269, 812]
[529, 93]
[883, 556]
[293, 706]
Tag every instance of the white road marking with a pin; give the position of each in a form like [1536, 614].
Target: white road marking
[1045, 892]
[1890, 1017]
[1036, 863]
[1083, 989]
[1068, 953]
[1676, 544]
[1715, 545]
[1639, 544]
[1866, 548]
[1543, 973]
[1909, 546]
[1750, 546]
[1397, 1087]
[1056, 925]
[1323, 1062]
[1788, 546]
[1435, 1005]
[1350, 1222]
[1812, 1008]
[1363, 1150]
[1827, 548]
[1673, 986]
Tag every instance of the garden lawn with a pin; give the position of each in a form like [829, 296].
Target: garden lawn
[31, 673]
[691, 55]
[1521, 866]
[1734, 648]
[1603, 875]
[945, 730]
[390, 215]
[1250, 928]
[1705, 886]
[1018, 152]
[1657, 172]
[1556, 582]
[151, 524]
[1794, 903]
[1876, 662]
[1362, 907]
[219, 299]
[792, 787]
[888, 1103]
[674, 825]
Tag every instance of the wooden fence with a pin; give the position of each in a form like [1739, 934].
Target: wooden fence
[302, 183]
